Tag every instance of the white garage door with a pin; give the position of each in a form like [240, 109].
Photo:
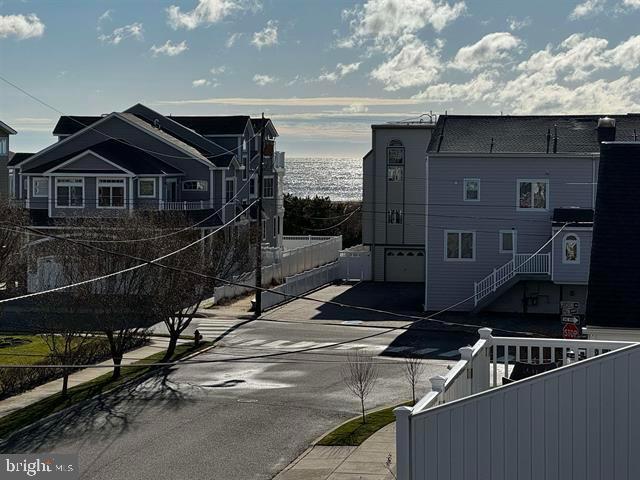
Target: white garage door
[404, 265]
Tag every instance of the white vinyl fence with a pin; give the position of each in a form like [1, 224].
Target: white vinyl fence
[355, 264]
[300, 284]
[579, 421]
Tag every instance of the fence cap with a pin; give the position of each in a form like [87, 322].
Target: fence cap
[437, 383]
[402, 411]
[485, 333]
[466, 352]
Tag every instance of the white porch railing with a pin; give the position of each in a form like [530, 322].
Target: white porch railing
[479, 369]
[521, 263]
[201, 205]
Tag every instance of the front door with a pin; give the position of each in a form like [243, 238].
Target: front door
[172, 190]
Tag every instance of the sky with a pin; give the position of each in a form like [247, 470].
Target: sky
[323, 70]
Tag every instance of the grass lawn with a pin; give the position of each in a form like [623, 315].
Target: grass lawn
[32, 350]
[104, 383]
[354, 432]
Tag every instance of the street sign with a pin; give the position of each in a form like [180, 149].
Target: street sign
[572, 319]
[569, 309]
[570, 330]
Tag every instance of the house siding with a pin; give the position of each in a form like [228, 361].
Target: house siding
[571, 183]
[572, 273]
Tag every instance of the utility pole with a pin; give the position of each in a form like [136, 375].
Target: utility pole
[258, 309]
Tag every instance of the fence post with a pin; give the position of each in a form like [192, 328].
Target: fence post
[466, 354]
[403, 443]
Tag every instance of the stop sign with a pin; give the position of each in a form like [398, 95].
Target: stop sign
[570, 330]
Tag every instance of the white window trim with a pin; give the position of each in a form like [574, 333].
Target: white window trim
[564, 257]
[273, 186]
[532, 180]
[147, 179]
[46, 193]
[206, 186]
[124, 193]
[62, 180]
[514, 244]
[464, 190]
[459, 232]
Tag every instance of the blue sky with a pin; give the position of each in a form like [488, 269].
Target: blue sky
[324, 70]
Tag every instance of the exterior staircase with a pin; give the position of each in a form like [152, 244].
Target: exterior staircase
[523, 266]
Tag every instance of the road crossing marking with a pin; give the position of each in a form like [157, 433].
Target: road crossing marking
[398, 349]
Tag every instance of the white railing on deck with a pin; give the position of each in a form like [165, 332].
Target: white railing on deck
[522, 263]
[198, 205]
[479, 369]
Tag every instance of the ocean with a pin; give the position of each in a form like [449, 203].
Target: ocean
[337, 178]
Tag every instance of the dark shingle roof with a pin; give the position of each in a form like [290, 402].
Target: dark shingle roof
[573, 216]
[122, 154]
[18, 157]
[614, 282]
[525, 134]
[70, 124]
[232, 125]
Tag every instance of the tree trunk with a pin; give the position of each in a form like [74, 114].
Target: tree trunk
[364, 419]
[171, 348]
[116, 355]
[116, 367]
[413, 392]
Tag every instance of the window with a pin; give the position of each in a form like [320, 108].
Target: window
[12, 183]
[267, 187]
[571, 249]
[69, 192]
[40, 187]
[245, 158]
[147, 187]
[195, 186]
[230, 190]
[3, 146]
[394, 216]
[532, 194]
[395, 153]
[110, 193]
[460, 246]
[471, 189]
[252, 186]
[507, 241]
[395, 174]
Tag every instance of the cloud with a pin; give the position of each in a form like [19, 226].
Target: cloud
[474, 90]
[586, 9]
[631, 3]
[385, 21]
[356, 108]
[296, 101]
[488, 50]
[413, 66]
[128, 31]
[233, 39]
[33, 124]
[169, 49]
[207, 11]
[218, 70]
[516, 24]
[263, 80]
[201, 82]
[105, 17]
[341, 71]
[21, 26]
[626, 55]
[266, 37]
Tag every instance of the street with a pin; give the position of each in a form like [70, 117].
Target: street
[240, 419]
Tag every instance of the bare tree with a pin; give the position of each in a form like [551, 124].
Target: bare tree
[12, 267]
[413, 370]
[360, 374]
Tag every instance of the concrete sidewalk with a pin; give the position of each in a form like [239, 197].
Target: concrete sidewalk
[368, 461]
[11, 404]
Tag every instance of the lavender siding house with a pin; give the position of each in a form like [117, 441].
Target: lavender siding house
[103, 166]
[498, 189]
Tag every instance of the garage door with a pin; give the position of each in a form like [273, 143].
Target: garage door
[404, 265]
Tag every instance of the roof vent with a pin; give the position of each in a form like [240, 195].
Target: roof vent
[606, 129]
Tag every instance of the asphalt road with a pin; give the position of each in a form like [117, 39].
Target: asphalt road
[233, 419]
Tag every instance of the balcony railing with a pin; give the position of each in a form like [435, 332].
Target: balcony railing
[480, 369]
[199, 205]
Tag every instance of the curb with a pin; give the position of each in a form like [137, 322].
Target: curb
[141, 378]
